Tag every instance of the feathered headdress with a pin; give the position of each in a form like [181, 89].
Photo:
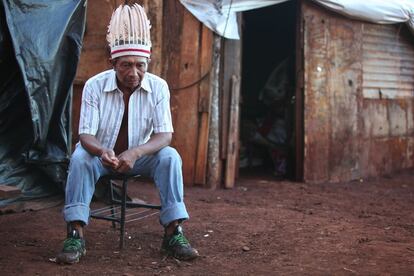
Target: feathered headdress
[129, 32]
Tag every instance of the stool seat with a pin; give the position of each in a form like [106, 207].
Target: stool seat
[119, 210]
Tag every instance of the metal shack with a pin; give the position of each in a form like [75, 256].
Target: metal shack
[341, 89]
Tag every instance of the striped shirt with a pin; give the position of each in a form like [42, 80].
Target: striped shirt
[103, 107]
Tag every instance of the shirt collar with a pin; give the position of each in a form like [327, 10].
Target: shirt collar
[112, 86]
[145, 83]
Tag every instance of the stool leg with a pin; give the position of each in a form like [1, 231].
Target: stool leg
[123, 208]
[112, 203]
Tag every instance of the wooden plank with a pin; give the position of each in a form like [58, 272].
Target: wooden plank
[188, 123]
[233, 137]
[299, 95]
[171, 46]
[94, 55]
[171, 49]
[184, 94]
[204, 106]
[231, 66]
[155, 14]
[9, 191]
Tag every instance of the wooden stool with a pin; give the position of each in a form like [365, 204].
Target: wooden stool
[111, 212]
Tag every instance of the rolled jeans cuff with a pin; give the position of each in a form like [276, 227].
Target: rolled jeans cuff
[76, 212]
[172, 213]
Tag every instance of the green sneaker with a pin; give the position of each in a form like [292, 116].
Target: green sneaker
[73, 249]
[177, 245]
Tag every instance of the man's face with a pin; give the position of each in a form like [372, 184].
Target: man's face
[130, 71]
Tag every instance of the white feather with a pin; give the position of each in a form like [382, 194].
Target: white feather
[130, 25]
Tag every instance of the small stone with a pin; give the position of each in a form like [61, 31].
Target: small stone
[246, 248]
[53, 260]
[177, 261]
[243, 189]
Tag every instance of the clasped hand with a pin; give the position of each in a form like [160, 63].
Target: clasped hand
[121, 163]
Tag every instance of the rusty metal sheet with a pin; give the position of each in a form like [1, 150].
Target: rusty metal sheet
[375, 120]
[388, 141]
[316, 104]
[344, 79]
[350, 131]
[332, 78]
[388, 62]
[386, 156]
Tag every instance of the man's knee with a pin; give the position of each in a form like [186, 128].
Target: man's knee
[169, 155]
[80, 157]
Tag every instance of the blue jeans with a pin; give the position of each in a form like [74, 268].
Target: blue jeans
[164, 167]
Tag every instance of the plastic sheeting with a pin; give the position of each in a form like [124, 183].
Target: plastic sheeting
[40, 43]
[220, 15]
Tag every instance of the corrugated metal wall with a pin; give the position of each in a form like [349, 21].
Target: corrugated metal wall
[350, 131]
[388, 62]
[388, 89]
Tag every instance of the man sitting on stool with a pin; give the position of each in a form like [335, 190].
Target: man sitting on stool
[125, 127]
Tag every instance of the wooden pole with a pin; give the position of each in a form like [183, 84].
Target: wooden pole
[233, 134]
[214, 161]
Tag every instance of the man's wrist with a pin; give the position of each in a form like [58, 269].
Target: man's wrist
[100, 152]
[138, 153]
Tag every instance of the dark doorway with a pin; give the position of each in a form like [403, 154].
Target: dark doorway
[268, 90]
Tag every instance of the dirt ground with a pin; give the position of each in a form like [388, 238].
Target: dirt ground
[262, 227]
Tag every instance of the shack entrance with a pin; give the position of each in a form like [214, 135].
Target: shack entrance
[267, 129]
